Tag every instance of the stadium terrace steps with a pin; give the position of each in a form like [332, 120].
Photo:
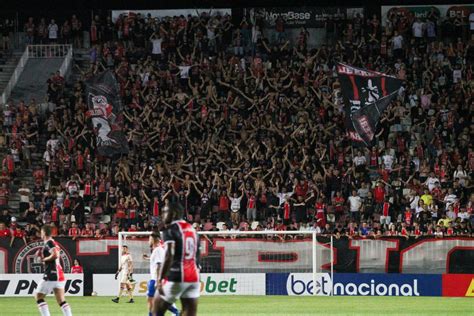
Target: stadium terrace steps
[33, 80]
[23, 176]
[32, 84]
[8, 64]
[82, 60]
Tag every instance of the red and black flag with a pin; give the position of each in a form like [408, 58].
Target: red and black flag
[367, 94]
[105, 111]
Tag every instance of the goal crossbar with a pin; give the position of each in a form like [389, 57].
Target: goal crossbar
[123, 235]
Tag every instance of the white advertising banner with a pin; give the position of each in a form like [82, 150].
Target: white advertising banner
[211, 284]
[26, 284]
[170, 13]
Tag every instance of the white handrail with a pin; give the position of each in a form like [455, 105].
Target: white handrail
[15, 76]
[49, 51]
[64, 69]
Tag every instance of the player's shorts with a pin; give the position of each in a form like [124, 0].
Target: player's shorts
[124, 277]
[46, 287]
[172, 291]
[151, 288]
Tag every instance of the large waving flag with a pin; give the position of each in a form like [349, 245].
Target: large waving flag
[105, 111]
[367, 94]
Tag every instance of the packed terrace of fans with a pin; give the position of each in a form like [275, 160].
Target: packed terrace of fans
[245, 128]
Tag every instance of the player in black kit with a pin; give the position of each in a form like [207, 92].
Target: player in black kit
[53, 278]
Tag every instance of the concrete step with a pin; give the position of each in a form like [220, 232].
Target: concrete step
[9, 63]
[26, 181]
[7, 66]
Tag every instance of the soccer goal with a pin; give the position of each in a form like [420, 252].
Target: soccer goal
[252, 262]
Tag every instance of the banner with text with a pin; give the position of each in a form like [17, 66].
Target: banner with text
[211, 284]
[367, 94]
[309, 17]
[368, 284]
[169, 13]
[253, 255]
[426, 11]
[26, 284]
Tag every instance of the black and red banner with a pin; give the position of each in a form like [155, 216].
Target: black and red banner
[105, 111]
[255, 255]
[367, 94]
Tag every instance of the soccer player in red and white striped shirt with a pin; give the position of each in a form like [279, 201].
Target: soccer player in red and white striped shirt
[53, 278]
[179, 274]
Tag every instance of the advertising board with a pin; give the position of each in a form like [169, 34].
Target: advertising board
[458, 285]
[360, 284]
[211, 284]
[26, 284]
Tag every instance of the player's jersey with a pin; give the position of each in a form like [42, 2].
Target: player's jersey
[157, 257]
[185, 262]
[52, 269]
[125, 263]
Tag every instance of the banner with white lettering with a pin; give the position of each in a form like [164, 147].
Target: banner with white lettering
[309, 17]
[367, 94]
[360, 284]
[26, 284]
[253, 255]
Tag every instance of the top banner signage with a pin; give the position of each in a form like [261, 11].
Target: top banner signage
[170, 13]
[424, 11]
[310, 17]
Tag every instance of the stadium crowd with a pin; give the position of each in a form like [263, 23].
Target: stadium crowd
[244, 126]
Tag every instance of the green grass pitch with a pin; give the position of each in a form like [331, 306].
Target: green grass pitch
[258, 305]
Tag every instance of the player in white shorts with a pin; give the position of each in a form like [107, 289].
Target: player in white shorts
[179, 274]
[125, 272]
[156, 260]
[53, 278]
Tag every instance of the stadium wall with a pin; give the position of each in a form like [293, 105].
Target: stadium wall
[396, 256]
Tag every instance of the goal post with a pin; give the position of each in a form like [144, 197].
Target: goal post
[137, 243]
[291, 262]
[252, 262]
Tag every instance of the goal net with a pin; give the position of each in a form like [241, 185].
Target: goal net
[252, 262]
[138, 246]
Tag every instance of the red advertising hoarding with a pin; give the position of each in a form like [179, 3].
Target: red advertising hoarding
[458, 285]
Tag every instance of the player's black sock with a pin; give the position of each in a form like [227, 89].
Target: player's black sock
[43, 307]
[65, 308]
